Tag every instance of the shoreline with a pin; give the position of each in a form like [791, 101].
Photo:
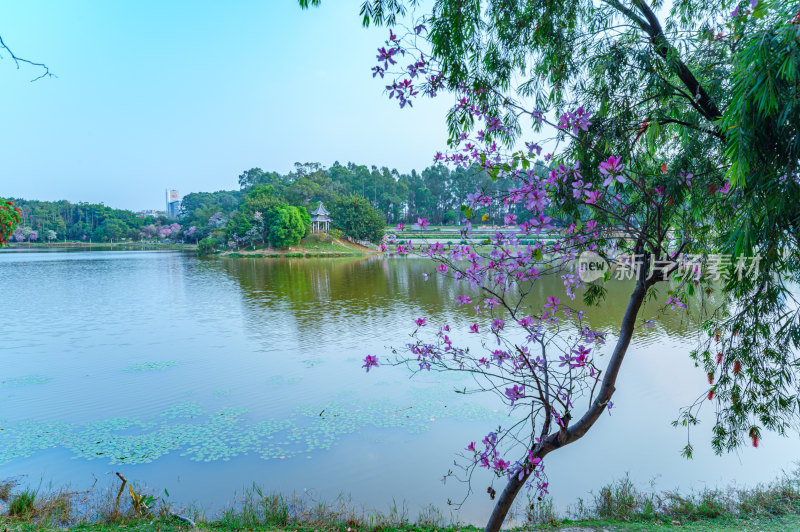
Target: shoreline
[618, 506]
[70, 244]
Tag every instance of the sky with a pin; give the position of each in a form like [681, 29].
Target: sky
[188, 94]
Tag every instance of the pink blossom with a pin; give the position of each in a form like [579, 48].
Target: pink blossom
[515, 393]
[463, 299]
[552, 302]
[592, 196]
[612, 169]
[370, 361]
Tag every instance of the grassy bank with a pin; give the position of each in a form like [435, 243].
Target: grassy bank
[311, 246]
[619, 506]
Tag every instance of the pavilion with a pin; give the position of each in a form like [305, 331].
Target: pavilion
[320, 221]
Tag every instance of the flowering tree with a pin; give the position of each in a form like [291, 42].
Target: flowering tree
[149, 231]
[631, 141]
[10, 216]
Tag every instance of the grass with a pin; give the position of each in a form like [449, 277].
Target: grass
[622, 506]
[619, 506]
[314, 245]
[22, 504]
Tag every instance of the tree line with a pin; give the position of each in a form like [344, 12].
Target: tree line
[62, 220]
[360, 197]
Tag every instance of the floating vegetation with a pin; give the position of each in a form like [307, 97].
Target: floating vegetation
[208, 436]
[26, 380]
[276, 381]
[152, 366]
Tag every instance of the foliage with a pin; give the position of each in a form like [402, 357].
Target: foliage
[357, 219]
[286, 225]
[207, 246]
[9, 219]
[85, 221]
[22, 504]
[430, 193]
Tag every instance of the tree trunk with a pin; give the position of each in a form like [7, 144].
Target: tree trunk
[577, 430]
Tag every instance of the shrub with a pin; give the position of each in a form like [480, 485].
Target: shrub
[207, 246]
[286, 225]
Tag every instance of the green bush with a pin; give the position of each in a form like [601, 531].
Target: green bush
[286, 225]
[335, 233]
[207, 246]
[357, 219]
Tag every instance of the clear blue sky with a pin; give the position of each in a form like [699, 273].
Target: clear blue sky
[187, 94]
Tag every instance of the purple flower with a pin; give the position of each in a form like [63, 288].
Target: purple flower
[533, 460]
[612, 169]
[473, 328]
[515, 393]
[463, 299]
[369, 361]
[552, 302]
[675, 302]
[420, 322]
[592, 196]
[581, 354]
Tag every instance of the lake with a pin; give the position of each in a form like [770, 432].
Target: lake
[202, 376]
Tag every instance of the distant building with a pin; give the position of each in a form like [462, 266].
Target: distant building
[173, 203]
[320, 221]
[150, 212]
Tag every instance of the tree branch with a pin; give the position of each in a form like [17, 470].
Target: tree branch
[18, 60]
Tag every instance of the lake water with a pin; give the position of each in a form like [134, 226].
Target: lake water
[203, 376]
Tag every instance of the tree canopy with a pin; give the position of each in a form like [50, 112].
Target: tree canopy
[357, 219]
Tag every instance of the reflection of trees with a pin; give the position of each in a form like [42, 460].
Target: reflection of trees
[360, 296]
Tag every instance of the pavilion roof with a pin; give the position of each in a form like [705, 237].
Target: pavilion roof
[320, 210]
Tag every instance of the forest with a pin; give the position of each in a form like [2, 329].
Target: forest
[434, 194]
